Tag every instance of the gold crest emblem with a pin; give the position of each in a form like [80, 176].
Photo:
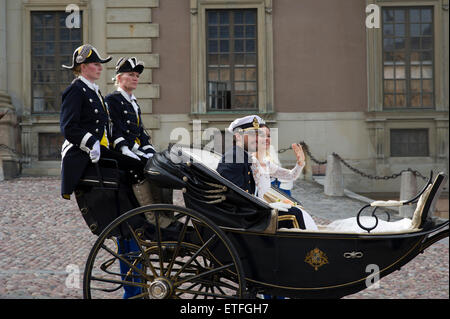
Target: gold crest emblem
[255, 123]
[316, 258]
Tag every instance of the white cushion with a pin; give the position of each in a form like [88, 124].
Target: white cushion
[417, 216]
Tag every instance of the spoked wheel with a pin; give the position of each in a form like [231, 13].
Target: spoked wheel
[137, 258]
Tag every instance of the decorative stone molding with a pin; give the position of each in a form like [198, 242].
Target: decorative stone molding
[130, 32]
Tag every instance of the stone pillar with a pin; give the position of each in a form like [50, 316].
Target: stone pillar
[3, 63]
[2, 176]
[307, 171]
[8, 127]
[8, 121]
[408, 189]
[334, 181]
[442, 142]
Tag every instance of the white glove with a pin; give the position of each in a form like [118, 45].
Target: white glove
[142, 154]
[126, 151]
[94, 153]
[280, 206]
[139, 153]
[148, 155]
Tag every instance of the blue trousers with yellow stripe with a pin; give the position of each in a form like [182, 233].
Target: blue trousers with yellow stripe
[125, 247]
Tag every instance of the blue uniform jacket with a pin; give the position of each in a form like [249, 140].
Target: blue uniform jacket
[83, 121]
[236, 167]
[128, 129]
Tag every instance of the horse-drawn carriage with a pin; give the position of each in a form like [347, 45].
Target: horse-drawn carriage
[225, 243]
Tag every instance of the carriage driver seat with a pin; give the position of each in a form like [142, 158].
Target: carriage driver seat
[102, 194]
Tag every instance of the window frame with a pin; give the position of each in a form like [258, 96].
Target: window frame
[408, 132]
[58, 62]
[48, 5]
[374, 47]
[232, 65]
[408, 51]
[264, 54]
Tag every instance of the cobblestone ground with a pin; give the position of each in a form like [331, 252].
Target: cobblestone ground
[43, 238]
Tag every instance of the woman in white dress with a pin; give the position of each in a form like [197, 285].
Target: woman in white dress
[264, 169]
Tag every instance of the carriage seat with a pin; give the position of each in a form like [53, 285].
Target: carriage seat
[426, 202]
[273, 197]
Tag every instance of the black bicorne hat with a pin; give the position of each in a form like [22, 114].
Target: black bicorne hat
[129, 65]
[86, 54]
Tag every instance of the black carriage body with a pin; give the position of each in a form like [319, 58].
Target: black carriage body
[234, 230]
[313, 265]
[294, 264]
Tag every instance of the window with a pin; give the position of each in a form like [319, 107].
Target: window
[408, 63]
[52, 44]
[50, 146]
[409, 142]
[232, 59]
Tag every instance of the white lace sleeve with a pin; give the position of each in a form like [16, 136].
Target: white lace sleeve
[285, 174]
[261, 177]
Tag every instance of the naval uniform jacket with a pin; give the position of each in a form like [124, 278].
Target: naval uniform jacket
[236, 167]
[128, 129]
[84, 120]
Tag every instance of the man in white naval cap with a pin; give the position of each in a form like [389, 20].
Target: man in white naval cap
[236, 162]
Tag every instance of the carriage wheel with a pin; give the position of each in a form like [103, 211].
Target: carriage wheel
[192, 258]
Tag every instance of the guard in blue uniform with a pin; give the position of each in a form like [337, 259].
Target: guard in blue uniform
[86, 125]
[126, 113]
[131, 139]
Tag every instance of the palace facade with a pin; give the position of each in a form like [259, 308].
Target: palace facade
[370, 86]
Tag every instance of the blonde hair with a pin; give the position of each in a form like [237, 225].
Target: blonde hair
[77, 70]
[116, 80]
